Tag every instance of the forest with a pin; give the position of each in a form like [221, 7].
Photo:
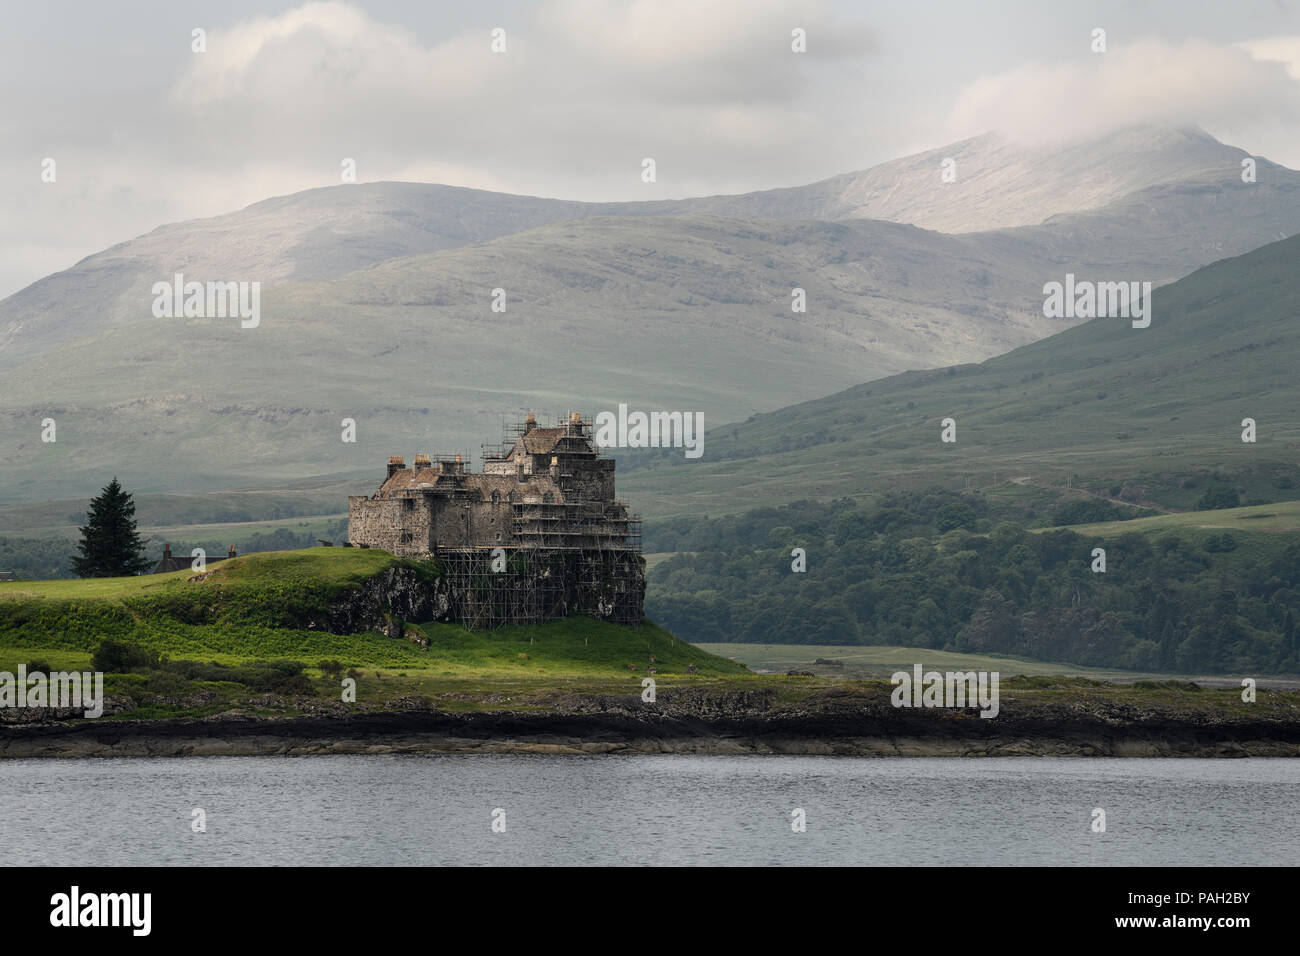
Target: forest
[933, 569]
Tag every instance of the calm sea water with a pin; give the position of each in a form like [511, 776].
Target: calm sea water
[616, 810]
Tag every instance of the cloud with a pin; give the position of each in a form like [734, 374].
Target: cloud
[1284, 50]
[585, 90]
[1214, 85]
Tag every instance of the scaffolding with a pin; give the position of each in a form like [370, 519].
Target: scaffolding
[576, 427]
[584, 525]
[497, 587]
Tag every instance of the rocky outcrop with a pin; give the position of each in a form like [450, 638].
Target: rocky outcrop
[536, 587]
[383, 603]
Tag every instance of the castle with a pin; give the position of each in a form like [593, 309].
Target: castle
[537, 534]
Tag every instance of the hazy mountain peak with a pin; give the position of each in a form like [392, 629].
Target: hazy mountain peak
[998, 182]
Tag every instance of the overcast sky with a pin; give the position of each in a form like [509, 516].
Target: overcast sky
[145, 131]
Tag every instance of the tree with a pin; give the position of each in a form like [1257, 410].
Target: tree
[110, 546]
[955, 515]
[1220, 496]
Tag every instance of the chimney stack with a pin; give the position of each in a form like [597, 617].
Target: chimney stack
[395, 464]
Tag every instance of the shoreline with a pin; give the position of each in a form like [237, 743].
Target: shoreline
[874, 734]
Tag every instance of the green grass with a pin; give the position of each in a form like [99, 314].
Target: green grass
[1274, 519]
[874, 661]
[253, 577]
[1260, 533]
[254, 607]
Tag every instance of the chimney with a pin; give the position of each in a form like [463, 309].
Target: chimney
[421, 463]
[395, 464]
[530, 422]
[167, 551]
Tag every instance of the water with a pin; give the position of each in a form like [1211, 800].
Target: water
[620, 810]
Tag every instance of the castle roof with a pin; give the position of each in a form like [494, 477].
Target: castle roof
[541, 441]
[430, 479]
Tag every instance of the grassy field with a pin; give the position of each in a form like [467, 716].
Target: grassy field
[255, 607]
[874, 662]
[247, 581]
[1282, 517]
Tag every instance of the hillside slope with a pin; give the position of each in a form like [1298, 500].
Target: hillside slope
[1101, 403]
[691, 313]
[294, 605]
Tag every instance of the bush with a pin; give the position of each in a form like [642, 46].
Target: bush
[120, 657]
[1216, 497]
[1086, 512]
[1220, 543]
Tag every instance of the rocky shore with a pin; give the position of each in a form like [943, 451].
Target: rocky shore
[831, 721]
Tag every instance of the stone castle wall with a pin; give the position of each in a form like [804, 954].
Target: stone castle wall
[548, 503]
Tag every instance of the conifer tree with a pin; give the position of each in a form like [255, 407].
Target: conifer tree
[110, 546]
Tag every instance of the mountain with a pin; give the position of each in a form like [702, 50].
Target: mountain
[999, 183]
[376, 306]
[1149, 416]
[690, 313]
[327, 232]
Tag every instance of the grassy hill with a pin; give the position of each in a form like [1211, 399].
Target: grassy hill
[1150, 416]
[1278, 522]
[258, 608]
